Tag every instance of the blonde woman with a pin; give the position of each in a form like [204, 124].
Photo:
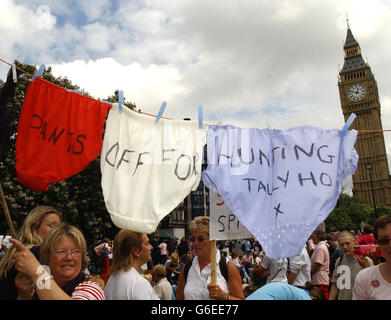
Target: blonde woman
[346, 268]
[196, 284]
[64, 251]
[173, 268]
[131, 250]
[36, 225]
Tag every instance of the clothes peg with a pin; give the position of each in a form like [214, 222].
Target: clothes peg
[38, 73]
[120, 100]
[200, 116]
[14, 74]
[77, 91]
[160, 112]
[347, 124]
[219, 121]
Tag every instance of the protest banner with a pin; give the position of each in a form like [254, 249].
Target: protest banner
[223, 223]
[59, 134]
[223, 226]
[148, 168]
[280, 184]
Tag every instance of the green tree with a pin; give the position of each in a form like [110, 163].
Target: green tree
[80, 197]
[351, 211]
[380, 211]
[339, 219]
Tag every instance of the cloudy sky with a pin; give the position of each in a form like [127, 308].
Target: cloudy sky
[254, 63]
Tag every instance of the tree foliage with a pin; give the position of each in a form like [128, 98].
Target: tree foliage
[351, 211]
[80, 197]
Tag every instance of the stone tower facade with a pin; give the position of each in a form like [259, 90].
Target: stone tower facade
[359, 94]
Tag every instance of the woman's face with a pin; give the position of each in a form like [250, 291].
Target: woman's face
[65, 261]
[48, 223]
[346, 244]
[200, 243]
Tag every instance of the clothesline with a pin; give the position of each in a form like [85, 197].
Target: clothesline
[372, 131]
[12, 65]
[152, 115]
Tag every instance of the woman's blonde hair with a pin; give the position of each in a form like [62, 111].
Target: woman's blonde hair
[124, 242]
[345, 234]
[148, 276]
[174, 257]
[200, 224]
[57, 234]
[27, 234]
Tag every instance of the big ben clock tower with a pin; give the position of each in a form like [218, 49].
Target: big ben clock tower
[359, 94]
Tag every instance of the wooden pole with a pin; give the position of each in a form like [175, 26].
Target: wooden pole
[213, 262]
[6, 213]
[204, 194]
[188, 212]
[212, 249]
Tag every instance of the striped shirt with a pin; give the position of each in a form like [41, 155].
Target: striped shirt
[88, 290]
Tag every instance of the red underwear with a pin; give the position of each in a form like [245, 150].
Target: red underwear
[59, 134]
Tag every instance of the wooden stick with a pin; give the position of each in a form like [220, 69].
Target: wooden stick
[213, 262]
[213, 278]
[6, 213]
[204, 196]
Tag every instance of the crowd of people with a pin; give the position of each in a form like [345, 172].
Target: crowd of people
[51, 260]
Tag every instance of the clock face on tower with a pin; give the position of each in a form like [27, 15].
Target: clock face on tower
[357, 92]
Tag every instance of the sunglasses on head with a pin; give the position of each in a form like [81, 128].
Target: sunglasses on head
[199, 238]
[384, 241]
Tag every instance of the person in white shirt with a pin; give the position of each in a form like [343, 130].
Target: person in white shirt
[257, 259]
[300, 269]
[131, 250]
[163, 288]
[196, 285]
[275, 269]
[374, 283]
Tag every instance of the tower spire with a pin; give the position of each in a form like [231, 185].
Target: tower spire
[352, 51]
[347, 20]
[350, 40]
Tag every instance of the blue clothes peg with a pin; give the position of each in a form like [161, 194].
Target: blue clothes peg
[120, 100]
[160, 112]
[38, 73]
[347, 124]
[200, 116]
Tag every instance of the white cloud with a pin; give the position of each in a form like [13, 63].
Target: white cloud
[150, 85]
[369, 14]
[287, 11]
[97, 38]
[45, 19]
[95, 10]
